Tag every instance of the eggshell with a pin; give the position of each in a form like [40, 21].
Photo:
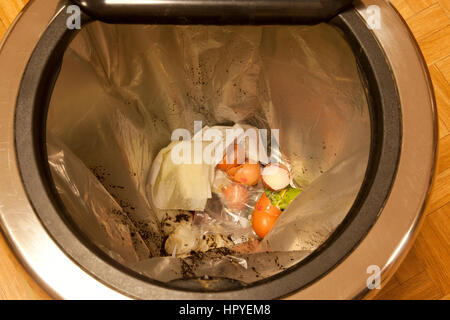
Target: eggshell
[235, 196]
[264, 216]
[246, 173]
[239, 155]
[275, 176]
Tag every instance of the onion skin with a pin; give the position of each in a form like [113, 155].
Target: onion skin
[264, 216]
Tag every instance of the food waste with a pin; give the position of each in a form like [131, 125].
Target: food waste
[232, 204]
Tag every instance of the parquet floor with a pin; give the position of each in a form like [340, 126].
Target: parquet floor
[425, 273]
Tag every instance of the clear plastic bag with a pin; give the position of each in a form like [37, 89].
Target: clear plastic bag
[229, 211]
[123, 89]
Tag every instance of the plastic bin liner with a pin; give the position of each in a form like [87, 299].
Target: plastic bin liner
[123, 89]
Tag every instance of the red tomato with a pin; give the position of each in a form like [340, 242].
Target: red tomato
[264, 216]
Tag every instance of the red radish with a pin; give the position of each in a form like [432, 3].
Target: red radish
[276, 176]
[247, 173]
[235, 196]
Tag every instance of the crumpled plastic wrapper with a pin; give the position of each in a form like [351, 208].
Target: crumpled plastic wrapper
[188, 185]
[123, 89]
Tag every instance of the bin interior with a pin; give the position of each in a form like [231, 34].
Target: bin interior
[122, 91]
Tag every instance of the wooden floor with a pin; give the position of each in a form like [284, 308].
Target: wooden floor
[425, 273]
